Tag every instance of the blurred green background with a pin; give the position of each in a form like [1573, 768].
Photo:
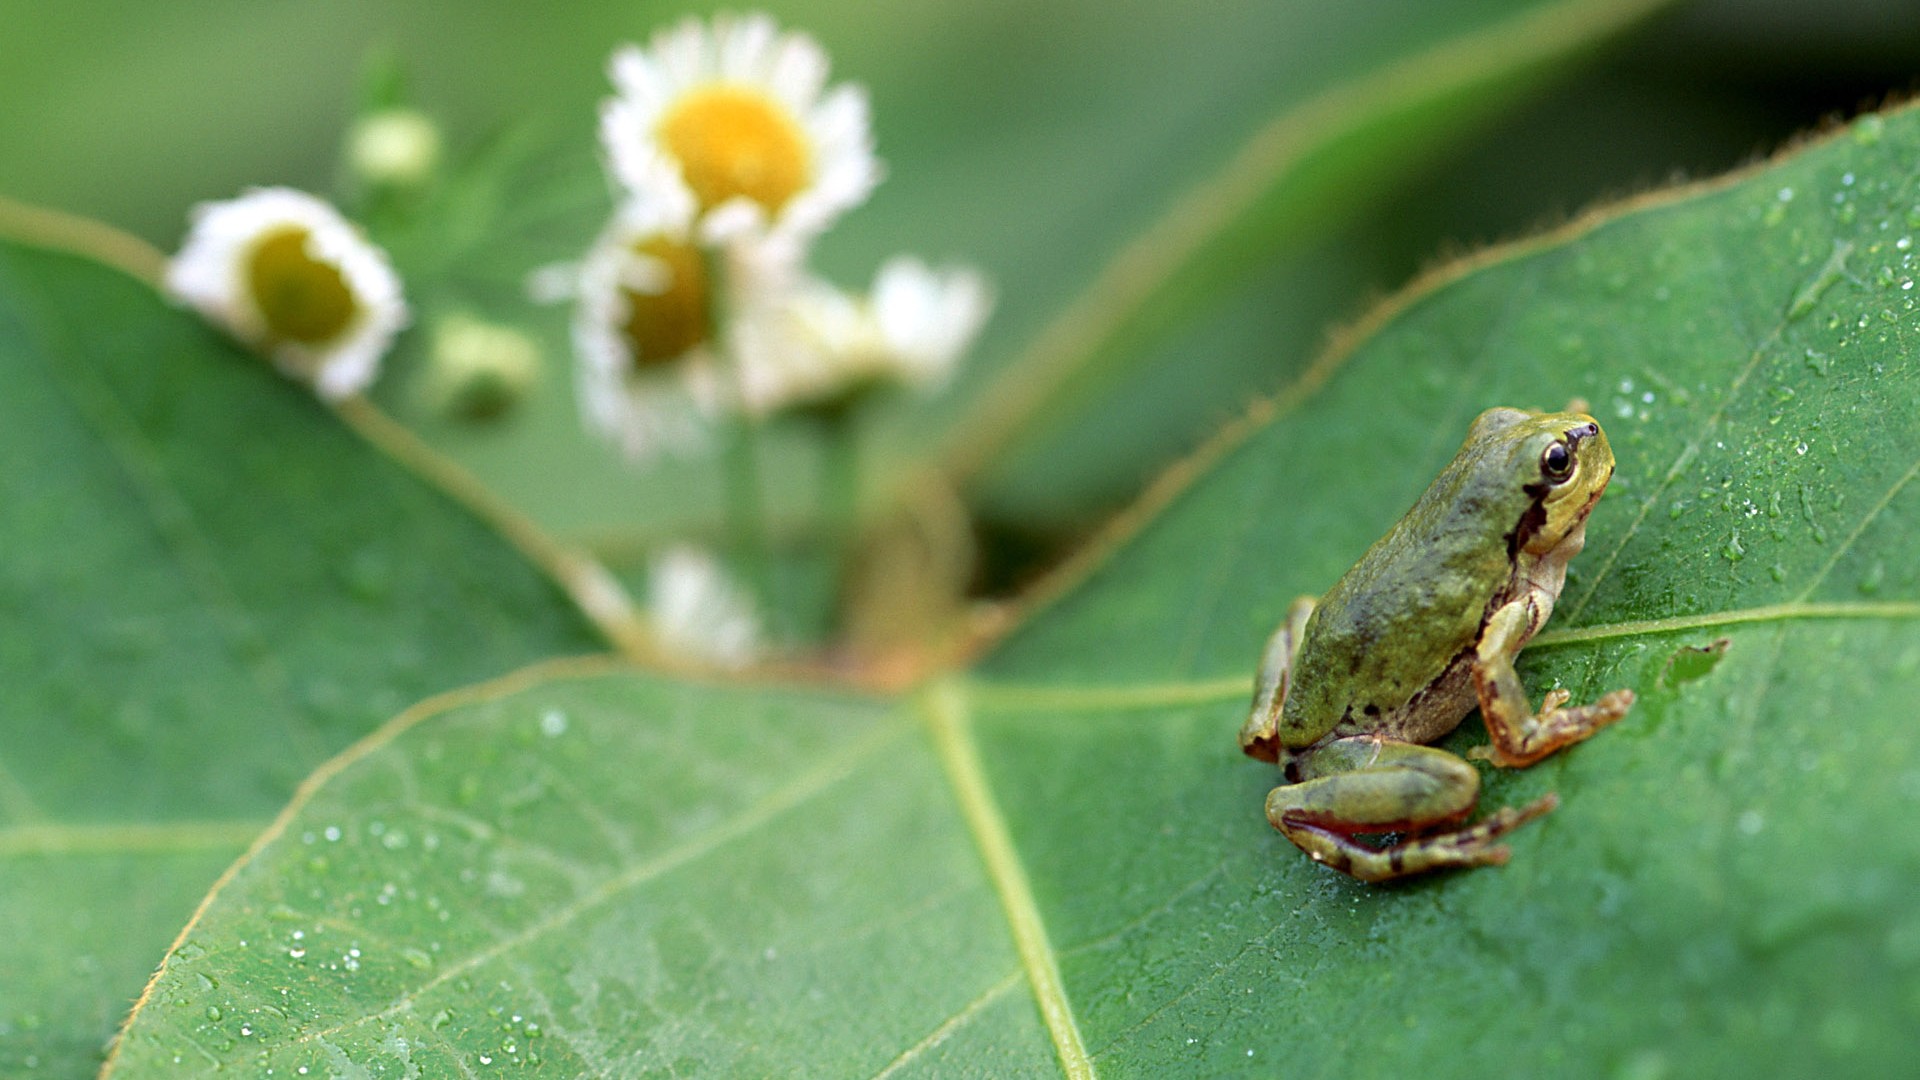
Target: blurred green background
[130, 112]
[986, 114]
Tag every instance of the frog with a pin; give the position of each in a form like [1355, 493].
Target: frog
[1353, 687]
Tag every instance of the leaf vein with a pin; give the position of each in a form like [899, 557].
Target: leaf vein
[810, 784]
[1872, 514]
[1685, 458]
[944, 708]
[1013, 697]
[952, 1024]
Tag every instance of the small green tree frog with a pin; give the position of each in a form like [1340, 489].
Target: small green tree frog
[1424, 627]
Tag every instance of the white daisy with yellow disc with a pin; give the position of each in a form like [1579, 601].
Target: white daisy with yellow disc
[646, 332]
[736, 116]
[284, 273]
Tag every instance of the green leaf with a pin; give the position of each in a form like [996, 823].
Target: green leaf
[558, 870]
[670, 876]
[210, 586]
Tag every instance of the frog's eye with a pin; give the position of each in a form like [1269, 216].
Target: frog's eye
[1556, 463]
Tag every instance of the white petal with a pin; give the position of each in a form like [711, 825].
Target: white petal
[798, 72]
[928, 318]
[684, 54]
[698, 611]
[744, 47]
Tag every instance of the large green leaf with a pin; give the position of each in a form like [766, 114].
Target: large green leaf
[210, 587]
[664, 877]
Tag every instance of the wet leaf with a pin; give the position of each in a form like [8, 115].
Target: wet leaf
[1057, 858]
[209, 587]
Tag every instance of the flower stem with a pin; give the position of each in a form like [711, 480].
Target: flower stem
[746, 516]
[839, 494]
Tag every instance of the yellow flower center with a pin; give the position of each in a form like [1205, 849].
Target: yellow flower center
[662, 326]
[300, 298]
[731, 141]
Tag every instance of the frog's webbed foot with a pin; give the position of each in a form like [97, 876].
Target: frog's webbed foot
[1260, 735]
[1366, 785]
[1521, 736]
[1520, 744]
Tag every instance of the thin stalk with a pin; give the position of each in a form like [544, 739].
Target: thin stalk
[746, 515]
[838, 422]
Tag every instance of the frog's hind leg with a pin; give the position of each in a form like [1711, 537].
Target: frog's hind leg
[1371, 785]
[1260, 735]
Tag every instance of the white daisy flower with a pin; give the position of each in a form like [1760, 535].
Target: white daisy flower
[820, 342]
[282, 271]
[734, 117]
[700, 613]
[644, 332]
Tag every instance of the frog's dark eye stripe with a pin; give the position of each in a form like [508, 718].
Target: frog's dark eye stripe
[1556, 463]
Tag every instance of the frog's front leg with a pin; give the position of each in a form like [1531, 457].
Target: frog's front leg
[1520, 736]
[1260, 735]
[1365, 784]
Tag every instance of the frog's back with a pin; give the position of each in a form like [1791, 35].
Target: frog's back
[1406, 611]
